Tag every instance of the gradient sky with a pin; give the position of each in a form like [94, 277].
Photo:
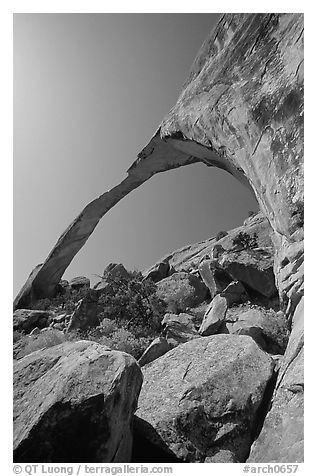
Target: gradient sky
[89, 92]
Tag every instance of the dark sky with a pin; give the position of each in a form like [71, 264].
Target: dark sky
[89, 92]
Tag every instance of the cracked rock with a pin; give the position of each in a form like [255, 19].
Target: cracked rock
[203, 393]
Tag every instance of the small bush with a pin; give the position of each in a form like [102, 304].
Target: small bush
[30, 343]
[243, 240]
[132, 341]
[129, 312]
[132, 301]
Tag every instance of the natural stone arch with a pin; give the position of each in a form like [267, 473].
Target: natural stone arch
[159, 155]
[240, 110]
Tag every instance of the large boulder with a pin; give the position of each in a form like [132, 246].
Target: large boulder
[214, 316]
[74, 403]
[253, 267]
[26, 320]
[181, 291]
[203, 396]
[113, 270]
[215, 279]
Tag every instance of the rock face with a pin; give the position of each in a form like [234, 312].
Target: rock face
[201, 397]
[214, 317]
[241, 109]
[159, 271]
[25, 319]
[85, 313]
[282, 436]
[79, 406]
[268, 328]
[111, 271]
[181, 290]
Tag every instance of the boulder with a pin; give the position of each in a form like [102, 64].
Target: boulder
[215, 279]
[37, 341]
[281, 439]
[158, 347]
[253, 268]
[74, 403]
[158, 271]
[182, 291]
[27, 319]
[235, 293]
[79, 282]
[113, 270]
[179, 328]
[215, 316]
[85, 314]
[267, 327]
[203, 396]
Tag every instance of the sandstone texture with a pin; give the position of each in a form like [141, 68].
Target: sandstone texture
[268, 328]
[203, 396]
[74, 403]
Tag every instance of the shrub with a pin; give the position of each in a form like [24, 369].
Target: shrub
[132, 301]
[133, 341]
[243, 240]
[66, 301]
[30, 343]
[129, 312]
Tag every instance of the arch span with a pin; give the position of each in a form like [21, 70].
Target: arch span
[158, 156]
